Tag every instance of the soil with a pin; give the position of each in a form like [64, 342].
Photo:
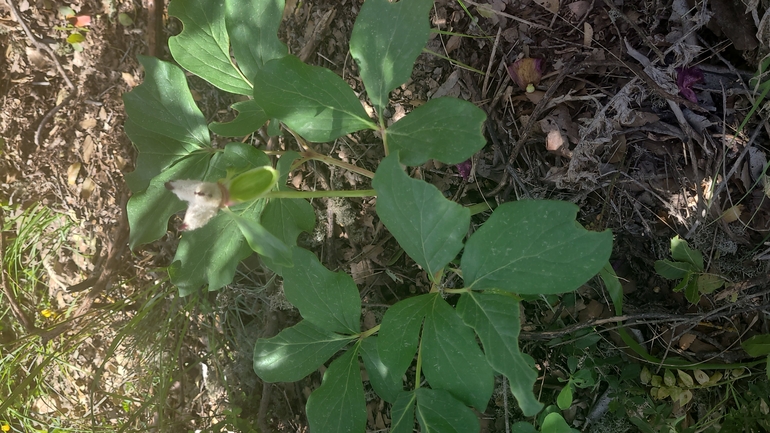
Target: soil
[619, 124]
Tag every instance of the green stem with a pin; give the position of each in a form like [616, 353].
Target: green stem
[369, 332]
[463, 290]
[319, 194]
[453, 61]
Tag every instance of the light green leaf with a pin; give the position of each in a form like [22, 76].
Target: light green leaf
[402, 413]
[338, 405]
[428, 227]
[164, 123]
[386, 40]
[253, 29]
[681, 251]
[387, 385]
[250, 118]
[758, 345]
[707, 283]
[555, 423]
[668, 378]
[295, 352]
[329, 300]
[203, 47]
[673, 270]
[495, 318]
[564, 399]
[451, 358]
[286, 218]
[313, 101]
[148, 211]
[262, 241]
[685, 378]
[252, 184]
[438, 411]
[399, 332]
[534, 247]
[445, 129]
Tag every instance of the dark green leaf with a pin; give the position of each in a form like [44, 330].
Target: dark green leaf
[295, 352]
[313, 101]
[203, 47]
[329, 300]
[445, 129]
[614, 288]
[148, 211]
[164, 123]
[253, 29]
[451, 358]
[210, 254]
[707, 283]
[438, 411]
[428, 227]
[386, 40]
[385, 383]
[250, 118]
[402, 413]
[262, 241]
[495, 318]
[681, 251]
[399, 332]
[673, 270]
[286, 218]
[534, 247]
[338, 405]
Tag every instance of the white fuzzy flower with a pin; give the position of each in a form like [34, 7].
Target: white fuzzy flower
[204, 200]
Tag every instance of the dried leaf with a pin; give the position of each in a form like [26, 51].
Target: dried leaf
[72, 173]
[732, 214]
[588, 35]
[87, 188]
[701, 377]
[579, 8]
[551, 5]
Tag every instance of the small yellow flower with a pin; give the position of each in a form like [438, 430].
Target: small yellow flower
[5, 427]
[47, 314]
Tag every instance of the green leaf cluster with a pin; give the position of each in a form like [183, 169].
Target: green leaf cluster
[687, 265]
[524, 248]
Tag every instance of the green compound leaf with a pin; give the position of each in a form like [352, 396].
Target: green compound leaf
[681, 251]
[338, 405]
[386, 40]
[295, 352]
[495, 318]
[673, 270]
[445, 129]
[262, 241]
[428, 227]
[534, 247]
[313, 101]
[163, 104]
[439, 411]
[203, 47]
[253, 29]
[385, 383]
[250, 118]
[402, 413]
[148, 211]
[329, 300]
[210, 254]
[399, 332]
[451, 358]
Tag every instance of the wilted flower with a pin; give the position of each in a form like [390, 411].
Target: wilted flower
[464, 168]
[527, 73]
[685, 79]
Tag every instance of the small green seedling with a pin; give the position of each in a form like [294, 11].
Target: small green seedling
[75, 27]
[688, 266]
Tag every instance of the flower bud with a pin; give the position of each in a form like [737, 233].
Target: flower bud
[527, 73]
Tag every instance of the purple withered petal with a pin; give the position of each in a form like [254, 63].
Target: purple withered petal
[464, 168]
[685, 79]
[527, 72]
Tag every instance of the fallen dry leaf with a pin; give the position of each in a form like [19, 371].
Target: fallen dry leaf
[551, 5]
[72, 173]
[732, 214]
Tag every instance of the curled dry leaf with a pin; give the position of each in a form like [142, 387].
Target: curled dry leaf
[555, 143]
[732, 214]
